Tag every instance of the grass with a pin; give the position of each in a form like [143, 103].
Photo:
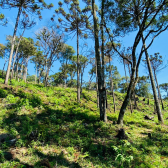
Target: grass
[69, 134]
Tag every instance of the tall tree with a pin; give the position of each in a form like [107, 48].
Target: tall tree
[25, 24]
[25, 7]
[101, 89]
[52, 46]
[157, 65]
[76, 21]
[158, 110]
[148, 17]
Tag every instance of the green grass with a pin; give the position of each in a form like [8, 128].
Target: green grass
[70, 134]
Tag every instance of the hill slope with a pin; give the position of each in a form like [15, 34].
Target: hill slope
[46, 127]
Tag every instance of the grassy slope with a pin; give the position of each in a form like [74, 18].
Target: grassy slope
[70, 135]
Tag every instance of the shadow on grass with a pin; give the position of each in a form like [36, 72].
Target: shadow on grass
[75, 128]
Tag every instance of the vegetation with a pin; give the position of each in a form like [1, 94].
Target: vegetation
[57, 117]
[50, 126]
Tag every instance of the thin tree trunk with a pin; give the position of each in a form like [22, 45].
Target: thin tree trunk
[21, 71]
[12, 45]
[36, 75]
[158, 89]
[47, 74]
[127, 85]
[135, 104]
[97, 90]
[82, 79]
[25, 73]
[103, 64]
[16, 53]
[158, 110]
[111, 85]
[78, 74]
[4, 66]
[127, 98]
[102, 91]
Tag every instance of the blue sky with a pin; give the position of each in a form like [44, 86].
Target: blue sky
[159, 45]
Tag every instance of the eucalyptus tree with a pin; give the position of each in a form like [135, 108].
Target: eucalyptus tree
[28, 48]
[25, 7]
[24, 24]
[148, 18]
[52, 46]
[38, 60]
[75, 22]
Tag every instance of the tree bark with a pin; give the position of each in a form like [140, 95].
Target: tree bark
[127, 85]
[159, 94]
[25, 73]
[12, 45]
[111, 85]
[101, 89]
[47, 74]
[158, 110]
[36, 74]
[16, 53]
[127, 98]
[4, 66]
[78, 75]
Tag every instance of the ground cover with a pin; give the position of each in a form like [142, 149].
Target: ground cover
[45, 127]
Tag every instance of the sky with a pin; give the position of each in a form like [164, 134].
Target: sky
[160, 44]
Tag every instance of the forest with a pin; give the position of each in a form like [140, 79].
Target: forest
[63, 100]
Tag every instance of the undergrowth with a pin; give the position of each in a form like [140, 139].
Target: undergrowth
[48, 124]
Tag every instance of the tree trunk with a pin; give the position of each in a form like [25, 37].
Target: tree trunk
[159, 94]
[36, 74]
[21, 71]
[135, 104]
[127, 98]
[97, 90]
[4, 66]
[102, 40]
[111, 85]
[103, 64]
[16, 53]
[127, 85]
[12, 45]
[158, 110]
[102, 90]
[25, 73]
[78, 74]
[47, 74]
[82, 78]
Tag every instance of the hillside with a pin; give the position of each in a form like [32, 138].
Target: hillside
[45, 127]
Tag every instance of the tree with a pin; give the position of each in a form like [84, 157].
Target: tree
[4, 51]
[25, 24]
[148, 17]
[101, 89]
[39, 62]
[25, 7]
[28, 49]
[52, 45]
[65, 59]
[75, 21]
[156, 65]
[164, 87]
[143, 87]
